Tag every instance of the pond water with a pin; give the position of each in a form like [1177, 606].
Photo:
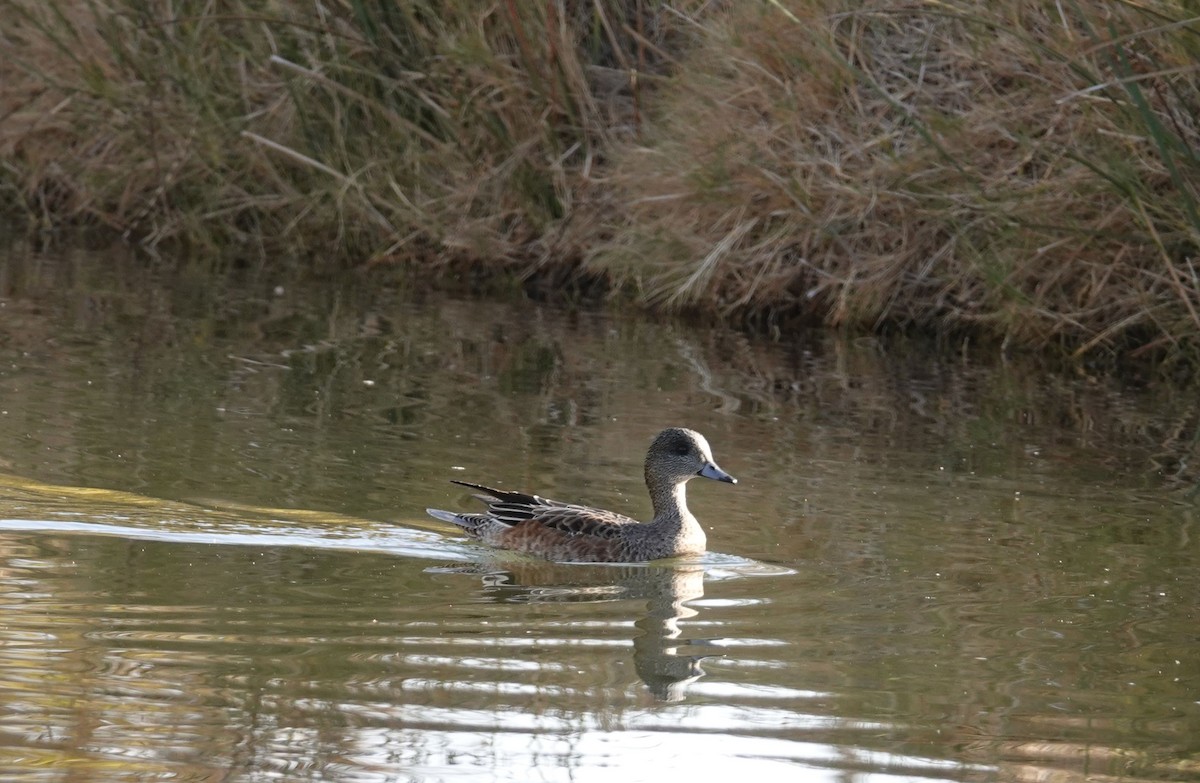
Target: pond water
[215, 563]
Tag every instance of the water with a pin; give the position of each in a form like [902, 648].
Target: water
[214, 562]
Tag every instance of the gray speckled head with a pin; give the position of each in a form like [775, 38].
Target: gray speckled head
[677, 455]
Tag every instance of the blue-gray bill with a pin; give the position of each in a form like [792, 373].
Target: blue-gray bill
[710, 470]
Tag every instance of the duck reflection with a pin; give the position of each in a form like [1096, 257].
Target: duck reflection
[666, 663]
[662, 661]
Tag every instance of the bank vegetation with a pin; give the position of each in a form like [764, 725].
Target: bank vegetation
[1022, 171]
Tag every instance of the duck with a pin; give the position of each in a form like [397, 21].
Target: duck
[571, 533]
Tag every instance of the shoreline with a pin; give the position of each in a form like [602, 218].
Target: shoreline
[948, 170]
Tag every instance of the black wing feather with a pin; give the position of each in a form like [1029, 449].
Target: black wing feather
[513, 508]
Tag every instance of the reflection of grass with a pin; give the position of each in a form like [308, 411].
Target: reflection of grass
[1027, 172]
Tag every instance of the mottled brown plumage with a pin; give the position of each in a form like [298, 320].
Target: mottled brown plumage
[573, 533]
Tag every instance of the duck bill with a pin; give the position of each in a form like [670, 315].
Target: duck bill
[710, 470]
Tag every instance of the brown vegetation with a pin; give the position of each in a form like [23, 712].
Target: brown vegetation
[1025, 171]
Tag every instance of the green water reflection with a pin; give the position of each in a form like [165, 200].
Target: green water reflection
[214, 562]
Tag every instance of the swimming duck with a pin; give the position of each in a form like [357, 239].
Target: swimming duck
[567, 532]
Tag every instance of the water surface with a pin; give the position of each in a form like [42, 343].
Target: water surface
[215, 565]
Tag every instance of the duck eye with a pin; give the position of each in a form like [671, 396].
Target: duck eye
[682, 449]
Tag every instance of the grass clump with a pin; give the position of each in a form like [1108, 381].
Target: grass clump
[1024, 170]
[377, 129]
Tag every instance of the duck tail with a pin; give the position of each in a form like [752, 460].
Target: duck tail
[471, 524]
[445, 516]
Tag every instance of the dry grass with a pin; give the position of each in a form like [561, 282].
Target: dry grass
[1024, 170]
[354, 129]
[992, 167]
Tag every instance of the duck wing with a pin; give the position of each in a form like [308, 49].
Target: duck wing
[513, 508]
